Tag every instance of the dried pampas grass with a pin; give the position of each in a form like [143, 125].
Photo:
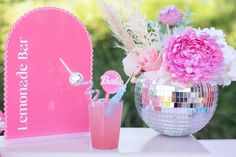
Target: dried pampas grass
[129, 26]
[114, 20]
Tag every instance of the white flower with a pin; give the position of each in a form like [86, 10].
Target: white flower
[130, 63]
[228, 73]
[216, 33]
[161, 75]
[151, 75]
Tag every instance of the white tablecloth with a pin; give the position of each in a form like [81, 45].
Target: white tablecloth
[134, 142]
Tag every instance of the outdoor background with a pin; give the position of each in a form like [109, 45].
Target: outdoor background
[207, 13]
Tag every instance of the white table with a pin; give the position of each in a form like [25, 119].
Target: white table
[134, 142]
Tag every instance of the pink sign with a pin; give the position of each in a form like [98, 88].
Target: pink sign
[111, 81]
[39, 100]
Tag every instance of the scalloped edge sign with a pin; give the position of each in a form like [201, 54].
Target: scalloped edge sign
[38, 99]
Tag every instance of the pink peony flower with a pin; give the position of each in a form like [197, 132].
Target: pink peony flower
[150, 60]
[170, 16]
[193, 57]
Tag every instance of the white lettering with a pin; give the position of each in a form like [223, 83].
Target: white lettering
[22, 74]
[23, 54]
[105, 79]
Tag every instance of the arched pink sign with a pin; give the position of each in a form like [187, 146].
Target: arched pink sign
[39, 101]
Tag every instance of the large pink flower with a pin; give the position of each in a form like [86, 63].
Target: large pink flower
[193, 57]
[150, 60]
[170, 16]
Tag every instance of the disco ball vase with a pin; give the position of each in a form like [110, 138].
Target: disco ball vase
[175, 112]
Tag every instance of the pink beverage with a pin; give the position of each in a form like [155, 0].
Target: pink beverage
[105, 129]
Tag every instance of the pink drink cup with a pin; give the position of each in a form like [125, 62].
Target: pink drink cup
[105, 130]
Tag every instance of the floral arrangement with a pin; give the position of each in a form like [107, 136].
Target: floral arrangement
[167, 49]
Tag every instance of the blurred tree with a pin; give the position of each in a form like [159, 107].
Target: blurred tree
[207, 13]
